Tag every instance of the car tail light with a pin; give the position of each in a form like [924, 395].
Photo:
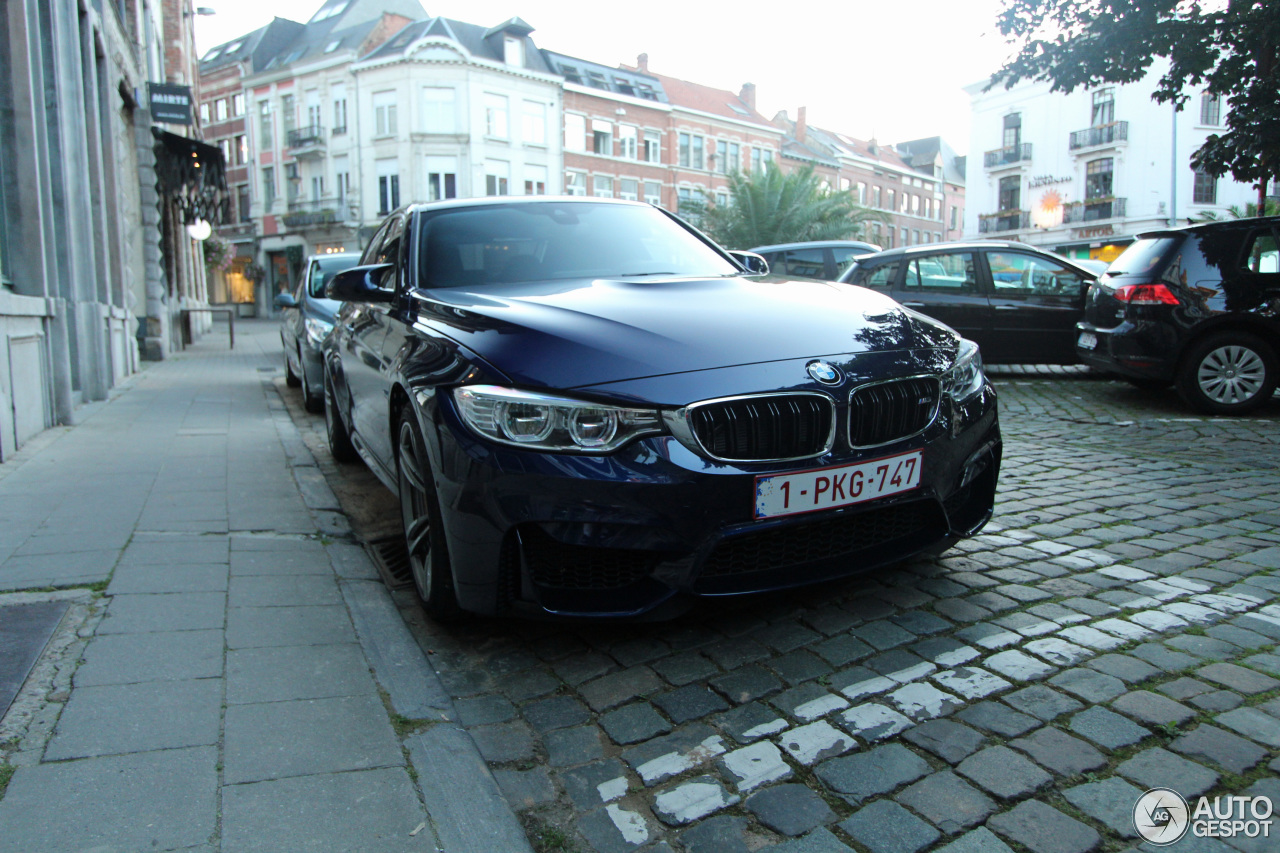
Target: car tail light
[1145, 294]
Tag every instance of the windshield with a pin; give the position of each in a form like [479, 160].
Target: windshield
[1143, 256]
[324, 268]
[470, 247]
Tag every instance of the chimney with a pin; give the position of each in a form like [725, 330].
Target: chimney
[801, 124]
[748, 95]
[642, 63]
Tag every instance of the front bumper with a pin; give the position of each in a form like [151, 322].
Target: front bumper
[623, 534]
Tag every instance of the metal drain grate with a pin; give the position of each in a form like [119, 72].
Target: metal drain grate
[392, 559]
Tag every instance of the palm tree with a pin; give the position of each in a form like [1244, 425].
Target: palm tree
[773, 206]
[1249, 211]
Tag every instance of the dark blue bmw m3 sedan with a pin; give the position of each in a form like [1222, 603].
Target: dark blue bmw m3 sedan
[588, 408]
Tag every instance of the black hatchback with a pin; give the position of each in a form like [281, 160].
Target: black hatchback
[1019, 303]
[1197, 307]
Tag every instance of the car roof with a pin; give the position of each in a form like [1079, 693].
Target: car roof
[813, 244]
[1213, 225]
[508, 200]
[930, 248]
[320, 256]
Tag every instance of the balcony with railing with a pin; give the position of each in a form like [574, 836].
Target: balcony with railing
[306, 141]
[1007, 156]
[317, 213]
[1101, 136]
[1093, 210]
[1005, 220]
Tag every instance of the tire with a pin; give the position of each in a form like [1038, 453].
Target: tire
[1230, 373]
[340, 446]
[313, 403]
[290, 378]
[420, 521]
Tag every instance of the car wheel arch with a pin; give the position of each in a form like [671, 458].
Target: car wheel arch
[1196, 350]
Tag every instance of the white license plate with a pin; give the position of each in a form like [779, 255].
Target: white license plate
[824, 488]
[1088, 340]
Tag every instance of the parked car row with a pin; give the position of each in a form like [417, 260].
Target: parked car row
[586, 407]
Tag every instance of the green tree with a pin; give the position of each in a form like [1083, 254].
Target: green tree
[1229, 48]
[772, 206]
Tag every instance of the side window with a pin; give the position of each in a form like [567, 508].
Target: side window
[1014, 273]
[947, 273]
[879, 277]
[1262, 255]
[371, 251]
[314, 281]
[845, 257]
[804, 263]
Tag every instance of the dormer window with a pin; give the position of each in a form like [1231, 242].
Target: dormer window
[513, 51]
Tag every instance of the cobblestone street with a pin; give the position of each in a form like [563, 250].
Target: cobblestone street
[1112, 630]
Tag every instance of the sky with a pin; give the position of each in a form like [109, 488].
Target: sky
[888, 70]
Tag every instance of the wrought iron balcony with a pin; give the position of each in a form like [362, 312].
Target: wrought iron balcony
[1005, 220]
[1093, 210]
[1105, 134]
[312, 213]
[1007, 156]
[306, 141]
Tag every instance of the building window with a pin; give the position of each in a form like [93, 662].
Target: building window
[204, 113]
[342, 180]
[915, 205]
[1104, 107]
[384, 114]
[861, 192]
[891, 197]
[438, 109]
[339, 94]
[292, 182]
[601, 137]
[535, 182]
[653, 193]
[955, 216]
[242, 203]
[575, 183]
[497, 177]
[495, 118]
[265, 136]
[875, 197]
[722, 157]
[768, 156]
[575, 132]
[755, 160]
[513, 51]
[534, 128]
[1205, 190]
[442, 178]
[1210, 110]
[1098, 178]
[906, 237]
[735, 158]
[1012, 130]
[696, 160]
[652, 146]
[268, 187]
[237, 105]
[602, 186]
[627, 142]
[220, 108]
[684, 150]
[388, 186]
[241, 146]
[288, 117]
[629, 188]
[1011, 193]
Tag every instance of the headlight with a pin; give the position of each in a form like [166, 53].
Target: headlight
[544, 422]
[316, 330]
[966, 376]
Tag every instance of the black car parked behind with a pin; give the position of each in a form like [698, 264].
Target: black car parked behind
[1019, 303]
[1198, 307]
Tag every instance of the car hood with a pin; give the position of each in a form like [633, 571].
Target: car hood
[571, 334]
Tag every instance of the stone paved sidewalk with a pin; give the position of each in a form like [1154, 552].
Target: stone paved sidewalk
[1114, 629]
[231, 674]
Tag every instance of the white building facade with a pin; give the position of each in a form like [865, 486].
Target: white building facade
[1083, 173]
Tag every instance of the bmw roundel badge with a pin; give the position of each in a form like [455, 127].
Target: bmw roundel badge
[824, 373]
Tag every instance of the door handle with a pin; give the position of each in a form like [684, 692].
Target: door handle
[1006, 307]
[913, 304]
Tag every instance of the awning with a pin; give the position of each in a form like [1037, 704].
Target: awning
[193, 174]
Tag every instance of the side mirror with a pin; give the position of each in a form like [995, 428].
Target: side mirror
[361, 284]
[285, 300]
[751, 263]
